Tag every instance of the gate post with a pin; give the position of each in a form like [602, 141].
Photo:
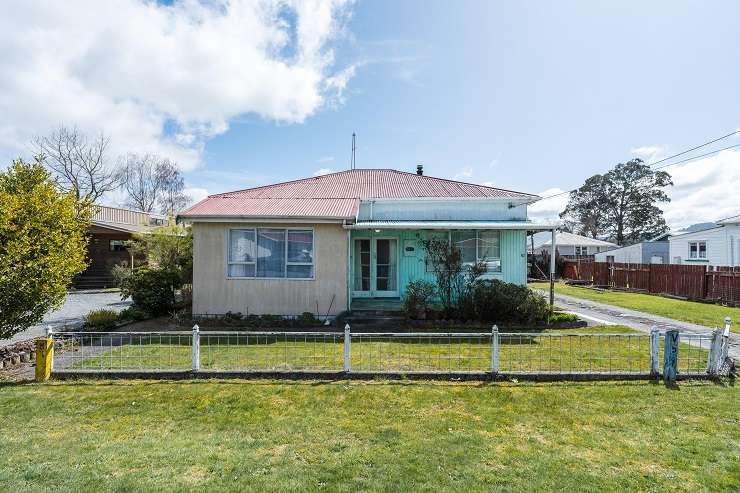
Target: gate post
[654, 351]
[44, 356]
[670, 360]
[726, 340]
[494, 349]
[714, 361]
[347, 349]
[196, 348]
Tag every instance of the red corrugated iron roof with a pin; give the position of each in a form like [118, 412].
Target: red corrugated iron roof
[337, 195]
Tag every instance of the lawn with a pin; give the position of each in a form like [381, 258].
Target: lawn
[374, 436]
[601, 351]
[706, 314]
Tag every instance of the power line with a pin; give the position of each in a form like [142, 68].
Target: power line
[666, 159]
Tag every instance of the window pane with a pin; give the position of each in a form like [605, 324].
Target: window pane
[300, 271]
[270, 253]
[465, 241]
[702, 250]
[490, 249]
[241, 245]
[692, 250]
[241, 270]
[300, 246]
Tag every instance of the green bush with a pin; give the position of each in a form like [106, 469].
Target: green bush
[132, 313]
[417, 299]
[560, 318]
[101, 319]
[308, 318]
[502, 302]
[152, 290]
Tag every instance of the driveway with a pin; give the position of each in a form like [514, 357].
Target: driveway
[596, 313]
[72, 313]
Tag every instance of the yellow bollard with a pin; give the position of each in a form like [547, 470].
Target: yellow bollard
[44, 355]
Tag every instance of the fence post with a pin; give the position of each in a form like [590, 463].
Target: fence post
[347, 349]
[494, 349]
[654, 351]
[726, 340]
[44, 356]
[714, 361]
[670, 360]
[196, 348]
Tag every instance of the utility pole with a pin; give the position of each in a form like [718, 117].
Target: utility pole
[354, 148]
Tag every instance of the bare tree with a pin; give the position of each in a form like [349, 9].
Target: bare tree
[150, 180]
[172, 197]
[79, 164]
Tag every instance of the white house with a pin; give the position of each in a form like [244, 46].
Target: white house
[654, 251]
[714, 246]
[573, 245]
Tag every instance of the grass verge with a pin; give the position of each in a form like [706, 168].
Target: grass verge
[372, 436]
[706, 314]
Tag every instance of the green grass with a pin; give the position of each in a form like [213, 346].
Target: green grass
[600, 352]
[706, 314]
[368, 436]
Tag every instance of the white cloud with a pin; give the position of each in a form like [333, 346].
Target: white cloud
[548, 209]
[649, 153]
[196, 193]
[704, 190]
[323, 171]
[164, 78]
[464, 173]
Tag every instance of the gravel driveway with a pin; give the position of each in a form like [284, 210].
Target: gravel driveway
[73, 311]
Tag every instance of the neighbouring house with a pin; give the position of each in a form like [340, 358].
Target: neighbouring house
[654, 251]
[110, 228]
[318, 244]
[719, 245]
[570, 245]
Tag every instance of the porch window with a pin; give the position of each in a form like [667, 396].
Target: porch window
[478, 246]
[271, 253]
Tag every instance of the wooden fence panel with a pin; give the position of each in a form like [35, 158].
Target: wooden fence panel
[687, 281]
[723, 284]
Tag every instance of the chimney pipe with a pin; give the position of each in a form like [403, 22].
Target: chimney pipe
[419, 169]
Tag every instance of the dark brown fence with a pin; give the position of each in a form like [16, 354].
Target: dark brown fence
[698, 282]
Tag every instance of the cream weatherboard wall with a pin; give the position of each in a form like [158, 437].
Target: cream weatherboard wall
[214, 293]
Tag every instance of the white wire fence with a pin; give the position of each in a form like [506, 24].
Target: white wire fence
[474, 353]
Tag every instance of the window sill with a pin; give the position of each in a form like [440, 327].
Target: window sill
[696, 260]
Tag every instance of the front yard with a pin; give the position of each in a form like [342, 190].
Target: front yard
[348, 436]
[706, 314]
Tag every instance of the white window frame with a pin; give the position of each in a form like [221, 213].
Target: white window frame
[477, 250]
[285, 264]
[698, 250]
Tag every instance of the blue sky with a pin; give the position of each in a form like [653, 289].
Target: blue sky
[531, 96]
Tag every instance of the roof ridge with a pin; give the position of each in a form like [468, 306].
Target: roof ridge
[399, 172]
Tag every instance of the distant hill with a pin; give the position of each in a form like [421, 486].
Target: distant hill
[696, 227]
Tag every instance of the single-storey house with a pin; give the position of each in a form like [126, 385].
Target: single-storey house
[110, 228]
[571, 245]
[316, 244]
[654, 251]
[718, 246]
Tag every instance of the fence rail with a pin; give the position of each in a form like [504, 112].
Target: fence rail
[698, 282]
[474, 353]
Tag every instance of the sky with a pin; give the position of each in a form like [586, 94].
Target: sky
[529, 96]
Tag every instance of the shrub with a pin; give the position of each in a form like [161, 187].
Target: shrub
[308, 318]
[132, 313]
[120, 273]
[497, 301]
[560, 318]
[101, 319]
[152, 290]
[417, 299]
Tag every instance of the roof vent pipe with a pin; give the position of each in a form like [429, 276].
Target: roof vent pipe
[419, 169]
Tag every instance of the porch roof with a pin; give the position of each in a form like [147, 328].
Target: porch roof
[520, 225]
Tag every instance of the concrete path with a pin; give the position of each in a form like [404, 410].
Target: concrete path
[72, 313]
[596, 313]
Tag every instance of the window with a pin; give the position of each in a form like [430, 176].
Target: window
[581, 250]
[117, 246]
[271, 253]
[697, 250]
[610, 259]
[477, 246]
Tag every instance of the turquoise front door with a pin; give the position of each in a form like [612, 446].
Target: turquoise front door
[375, 268]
